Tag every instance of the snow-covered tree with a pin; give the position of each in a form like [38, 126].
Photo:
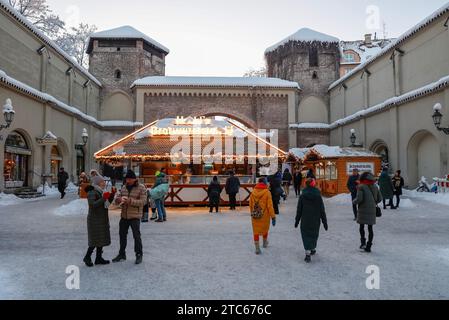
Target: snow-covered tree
[39, 13]
[260, 73]
[74, 42]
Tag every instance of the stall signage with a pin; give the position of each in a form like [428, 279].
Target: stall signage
[361, 166]
[156, 131]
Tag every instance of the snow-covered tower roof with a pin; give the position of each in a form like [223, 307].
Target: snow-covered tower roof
[125, 33]
[305, 35]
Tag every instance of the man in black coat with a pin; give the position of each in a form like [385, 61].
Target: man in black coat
[297, 182]
[276, 190]
[63, 177]
[353, 182]
[232, 189]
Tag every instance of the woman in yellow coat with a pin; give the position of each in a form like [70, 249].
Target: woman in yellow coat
[262, 211]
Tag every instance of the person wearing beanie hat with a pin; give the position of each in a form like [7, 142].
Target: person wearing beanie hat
[98, 220]
[131, 199]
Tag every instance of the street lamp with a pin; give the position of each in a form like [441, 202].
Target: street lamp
[353, 139]
[8, 114]
[437, 116]
[85, 136]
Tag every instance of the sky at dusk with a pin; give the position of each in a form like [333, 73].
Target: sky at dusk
[227, 38]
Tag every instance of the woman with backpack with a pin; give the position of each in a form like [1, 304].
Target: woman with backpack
[311, 214]
[214, 192]
[368, 198]
[262, 211]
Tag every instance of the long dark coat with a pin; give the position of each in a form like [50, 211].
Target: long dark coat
[386, 186]
[214, 192]
[97, 219]
[310, 213]
[232, 185]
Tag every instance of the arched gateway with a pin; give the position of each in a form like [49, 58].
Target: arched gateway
[259, 103]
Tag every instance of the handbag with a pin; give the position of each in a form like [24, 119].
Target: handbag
[378, 209]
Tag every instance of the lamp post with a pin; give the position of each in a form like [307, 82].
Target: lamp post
[437, 116]
[8, 114]
[353, 139]
[85, 138]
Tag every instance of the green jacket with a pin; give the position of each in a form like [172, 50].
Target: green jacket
[368, 196]
[386, 185]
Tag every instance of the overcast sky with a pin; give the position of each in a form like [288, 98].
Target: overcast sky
[228, 37]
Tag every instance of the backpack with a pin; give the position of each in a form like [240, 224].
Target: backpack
[257, 212]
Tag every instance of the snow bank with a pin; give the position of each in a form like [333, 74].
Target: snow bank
[407, 204]
[440, 198]
[341, 199]
[73, 208]
[9, 200]
[53, 190]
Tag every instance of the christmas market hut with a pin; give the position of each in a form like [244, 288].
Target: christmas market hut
[193, 151]
[332, 166]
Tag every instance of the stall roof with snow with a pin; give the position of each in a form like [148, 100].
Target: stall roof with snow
[305, 35]
[125, 33]
[163, 140]
[240, 82]
[328, 152]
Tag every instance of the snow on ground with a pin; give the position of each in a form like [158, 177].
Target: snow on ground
[440, 198]
[196, 255]
[75, 207]
[9, 199]
[341, 199]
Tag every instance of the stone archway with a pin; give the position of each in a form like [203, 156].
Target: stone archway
[313, 109]
[19, 157]
[423, 156]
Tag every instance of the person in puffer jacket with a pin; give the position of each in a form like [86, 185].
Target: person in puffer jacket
[131, 199]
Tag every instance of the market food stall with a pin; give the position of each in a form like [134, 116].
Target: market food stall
[193, 151]
[333, 165]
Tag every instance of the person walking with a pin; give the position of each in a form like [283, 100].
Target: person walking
[63, 177]
[386, 189]
[131, 199]
[276, 191]
[287, 181]
[368, 197]
[214, 192]
[311, 213]
[297, 182]
[398, 184]
[232, 189]
[98, 220]
[262, 211]
[353, 182]
[158, 193]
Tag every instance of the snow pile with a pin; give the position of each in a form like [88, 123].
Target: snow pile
[305, 35]
[246, 82]
[407, 204]
[53, 190]
[73, 208]
[9, 200]
[341, 199]
[440, 198]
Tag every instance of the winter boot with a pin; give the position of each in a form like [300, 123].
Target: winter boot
[363, 244]
[265, 243]
[119, 258]
[308, 258]
[99, 259]
[368, 247]
[313, 252]
[257, 244]
[139, 258]
[88, 261]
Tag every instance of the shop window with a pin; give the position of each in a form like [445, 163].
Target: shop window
[56, 162]
[331, 171]
[319, 171]
[15, 166]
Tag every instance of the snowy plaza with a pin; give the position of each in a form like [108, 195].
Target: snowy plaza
[196, 255]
